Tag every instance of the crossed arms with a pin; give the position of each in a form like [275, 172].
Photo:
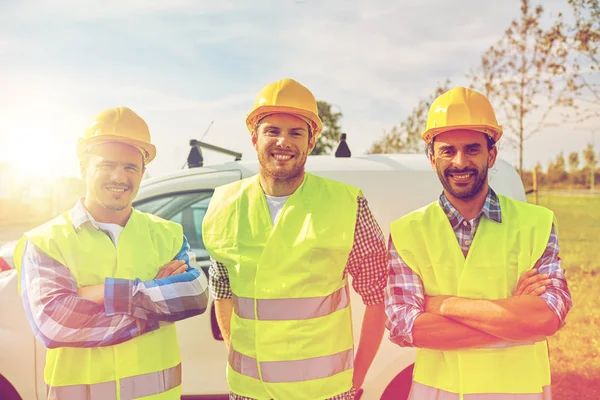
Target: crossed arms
[536, 309]
[61, 315]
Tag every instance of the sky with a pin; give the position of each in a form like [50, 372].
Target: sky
[183, 64]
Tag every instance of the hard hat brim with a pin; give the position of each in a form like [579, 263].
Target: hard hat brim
[493, 132]
[84, 144]
[264, 110]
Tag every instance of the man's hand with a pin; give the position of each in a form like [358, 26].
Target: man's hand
[94, 293]
[532, 283]
[175, 267]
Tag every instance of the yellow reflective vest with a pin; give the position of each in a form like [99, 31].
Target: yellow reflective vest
[148, 366]
[291, 329]
[499, 255]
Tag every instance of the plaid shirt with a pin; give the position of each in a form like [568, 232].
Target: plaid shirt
[404, 294]
[60, 318]
[367, 262]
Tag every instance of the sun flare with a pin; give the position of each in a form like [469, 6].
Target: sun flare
[32, 152]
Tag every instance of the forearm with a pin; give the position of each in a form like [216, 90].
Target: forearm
[432, 331]
[154, 299]
[373, 326]
[85, 326]
[223, 310]
[60, 318]
[515, 318]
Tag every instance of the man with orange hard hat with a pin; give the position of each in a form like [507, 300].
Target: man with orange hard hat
[282, 244]
[475, 280]
[103, 283]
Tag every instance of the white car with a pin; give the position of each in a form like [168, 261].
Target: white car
[393, 185]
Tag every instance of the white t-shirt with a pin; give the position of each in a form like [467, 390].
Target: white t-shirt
[112, 230]
[275, 205]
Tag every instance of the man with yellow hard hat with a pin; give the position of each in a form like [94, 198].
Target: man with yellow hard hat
[283, 243]
[475, 279]
[103, 283]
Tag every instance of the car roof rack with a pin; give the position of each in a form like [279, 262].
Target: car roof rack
[195, 158]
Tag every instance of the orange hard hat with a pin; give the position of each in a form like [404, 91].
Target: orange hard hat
[461, 108]
[120, 125]
[288, 97]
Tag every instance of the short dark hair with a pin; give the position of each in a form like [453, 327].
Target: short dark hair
[490, 144]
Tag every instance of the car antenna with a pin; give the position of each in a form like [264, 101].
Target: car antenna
[207, 129]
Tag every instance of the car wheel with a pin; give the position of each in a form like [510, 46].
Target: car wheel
[7, 391]
[399, 387]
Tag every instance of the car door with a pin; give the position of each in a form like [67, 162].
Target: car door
[203, 352]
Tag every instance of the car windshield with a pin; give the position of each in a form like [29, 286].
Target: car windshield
[187, 209]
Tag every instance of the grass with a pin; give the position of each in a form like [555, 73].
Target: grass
[575, 349]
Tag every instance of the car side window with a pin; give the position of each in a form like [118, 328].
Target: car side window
[187, 209]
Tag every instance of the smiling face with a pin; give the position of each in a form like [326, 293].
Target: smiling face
[282, 143]
[461, 159]
[112, 173]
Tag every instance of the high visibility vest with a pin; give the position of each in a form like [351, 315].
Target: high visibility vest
[499, 255]
[291, 329]
[148, 366]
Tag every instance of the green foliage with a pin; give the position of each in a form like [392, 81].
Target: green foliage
[330, 136]
[406, 136]
[556, 169]
[573, 161]
[558, 177]
[589, 156]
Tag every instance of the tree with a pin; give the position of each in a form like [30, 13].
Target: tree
[406, 137]
[589, 156]
[591, 160]
[556, 169]
[525, 75]
[330, 136]
[541, 177]
[584, 36]
[573, 161]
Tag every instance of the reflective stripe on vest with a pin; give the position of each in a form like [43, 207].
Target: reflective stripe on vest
[291, 309]
[294, 370]
[132, 387]
[419, 391]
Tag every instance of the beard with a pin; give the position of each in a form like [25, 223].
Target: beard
[105, 198]
[115, 207]
[467, 191]
[287, 174]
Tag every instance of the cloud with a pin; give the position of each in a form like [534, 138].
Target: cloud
[183, 64]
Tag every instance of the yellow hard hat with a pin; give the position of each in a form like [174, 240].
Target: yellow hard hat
[288, 97]
[121, 125]
[461, 108]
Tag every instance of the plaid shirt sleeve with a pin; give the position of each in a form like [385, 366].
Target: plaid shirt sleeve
[218, 281]
[367, 262]
[60, 318]
[557, 295]
[404, 299]
[170, 299]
